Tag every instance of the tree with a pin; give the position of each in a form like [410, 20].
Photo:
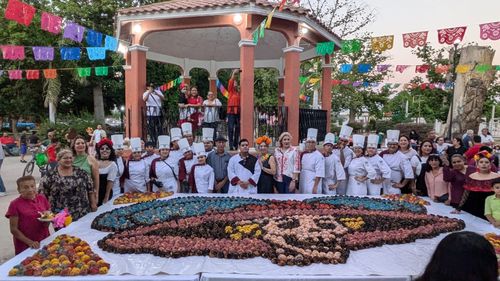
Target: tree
[361, 98]
[344, 17]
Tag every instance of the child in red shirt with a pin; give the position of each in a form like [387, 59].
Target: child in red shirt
[23, 214]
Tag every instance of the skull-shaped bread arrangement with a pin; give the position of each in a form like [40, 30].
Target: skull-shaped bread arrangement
[318, 230]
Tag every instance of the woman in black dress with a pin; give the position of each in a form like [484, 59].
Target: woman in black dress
[268, 165]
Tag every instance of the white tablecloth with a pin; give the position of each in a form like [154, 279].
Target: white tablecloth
[389, 260]
[225, 277]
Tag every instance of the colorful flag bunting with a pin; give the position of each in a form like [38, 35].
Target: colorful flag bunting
[43, 53]
[356, 84]
[94, 38]
[74, 32]
[262, 29]
[302, 80]
[270, 18]
[345, 82]
[50, 73]
[422, 68]
[110, 43]
[401, 68]
[70, 53]
[15, 74]
[382, 43]
[351, 46]
[101, 71]
[313, 81]
[364, 68]
[450, 35]
[412, 40]
[256, 36]
[13, 52]
[19, 12]
[33, 74]
[463, 68]
[481, 68]
[51, 23]
[383, 67]
[282, 5]
[442, 69]
[345, 68]
[490, 30]
[84, 71]
[96, 53]
[336, 82]
[325, 48]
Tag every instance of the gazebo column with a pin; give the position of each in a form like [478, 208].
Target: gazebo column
[291, 89]
[213, 85]
[247, 53]
[135, 86]
[326, 91]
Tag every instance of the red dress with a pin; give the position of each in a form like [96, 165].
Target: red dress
[475, 195]
[27, 212]
[195, 116]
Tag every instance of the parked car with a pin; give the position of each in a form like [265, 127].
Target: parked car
[21, 126]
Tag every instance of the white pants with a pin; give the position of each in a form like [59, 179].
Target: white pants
[374, 189]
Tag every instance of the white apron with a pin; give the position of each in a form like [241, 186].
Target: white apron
[138, 176]
[382, 170]
[166, 175]
[359, 167]
[334, 172]
[400, 168]
[313, 166]
[236, 170]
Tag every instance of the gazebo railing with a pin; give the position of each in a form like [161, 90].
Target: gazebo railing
[268, 120]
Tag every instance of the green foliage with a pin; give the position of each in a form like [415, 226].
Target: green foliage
[359, 99]
[266, 87]
[78, 123]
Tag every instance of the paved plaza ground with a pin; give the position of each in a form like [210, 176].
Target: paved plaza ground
[11, 170]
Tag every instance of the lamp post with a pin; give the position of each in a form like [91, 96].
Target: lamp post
[122, 110]
[454, 78]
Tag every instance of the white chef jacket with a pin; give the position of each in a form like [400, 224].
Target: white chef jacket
[168, 176]
[204, 178]
[382, 170]
[236, 170]
[359, 167]
[400, 169]
[334, 172]
[313, 166]
[138, 176]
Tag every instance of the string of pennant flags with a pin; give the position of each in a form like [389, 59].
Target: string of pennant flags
[449, 36]
[97, 43]
[424, 68]
[52, 73]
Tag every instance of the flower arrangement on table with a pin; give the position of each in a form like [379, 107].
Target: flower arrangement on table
[318, 230]
[410, 198]
[64, 256]
[494, 239]
[137, 197]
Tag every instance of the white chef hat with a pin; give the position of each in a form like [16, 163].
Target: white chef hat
[345, 132]
[175, 134]
[163, 142]
[301, 147]
[358, 141]
[372, 141]
[187, 128]
[208, 134]
[184, 145]
[329, 139]
[312, 134]
[136, 144]
[199, 149]
[392, 136]
[117, 141]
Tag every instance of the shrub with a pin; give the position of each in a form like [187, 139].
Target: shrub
[66, 123]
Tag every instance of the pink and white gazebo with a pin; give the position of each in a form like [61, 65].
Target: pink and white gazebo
[215, 35]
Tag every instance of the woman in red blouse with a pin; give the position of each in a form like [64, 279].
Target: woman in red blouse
[478, 185]
[194, 103]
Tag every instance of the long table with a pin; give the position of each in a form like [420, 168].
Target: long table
[386, 263]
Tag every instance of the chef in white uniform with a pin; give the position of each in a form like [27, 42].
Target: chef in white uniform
[334, 171]
[136, 174]
[164, 170]
[401, 170]
[381, 168]
[243, 171]
[208, 139]
[360, 171]
[120, 163]
[202, 176]
[345, 154]
[185, 164]
[187, 133]
[312, 166]
[175, 136]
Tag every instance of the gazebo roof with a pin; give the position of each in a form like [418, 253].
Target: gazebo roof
[208, 43]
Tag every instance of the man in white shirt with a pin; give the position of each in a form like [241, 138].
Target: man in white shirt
[243, 171]
[486, 137]
[154, 100]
